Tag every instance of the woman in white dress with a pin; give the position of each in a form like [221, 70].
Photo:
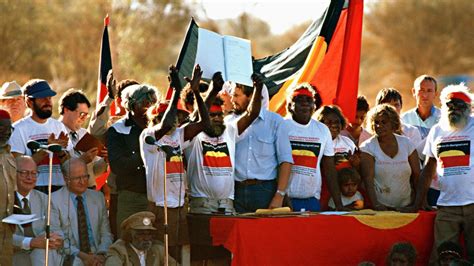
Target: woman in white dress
[389, 163]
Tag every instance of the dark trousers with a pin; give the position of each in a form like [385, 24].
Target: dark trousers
[249, 198]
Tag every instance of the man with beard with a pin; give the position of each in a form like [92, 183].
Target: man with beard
[450, 153]
[137, 246]
[7, 188]
[40, 127]
[211, 154]
[262, 158]
[168, 160]
[11, 99]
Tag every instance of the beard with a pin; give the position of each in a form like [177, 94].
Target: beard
[215, 130]
[143, 245]
[40, 113]
[454, 120]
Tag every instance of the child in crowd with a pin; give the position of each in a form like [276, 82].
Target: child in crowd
[345, 153]
[355, 130]
[448, 251]
[402, 253]
[349, 180]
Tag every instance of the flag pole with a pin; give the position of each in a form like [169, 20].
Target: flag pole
[48, 215]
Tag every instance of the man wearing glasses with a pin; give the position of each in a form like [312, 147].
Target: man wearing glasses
[30, 238]
[74, 110]
[40, 127]
[79, 215]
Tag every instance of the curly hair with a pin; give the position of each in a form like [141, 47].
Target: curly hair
[390, 112]
[137, 94]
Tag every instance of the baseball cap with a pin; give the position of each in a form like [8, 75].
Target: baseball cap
[38, 88]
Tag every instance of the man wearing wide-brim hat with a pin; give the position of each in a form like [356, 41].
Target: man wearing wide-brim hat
[137, 245]
[12, 100]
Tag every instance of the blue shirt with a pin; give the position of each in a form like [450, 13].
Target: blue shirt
[262, 148]
[411, 117]
[89, 227]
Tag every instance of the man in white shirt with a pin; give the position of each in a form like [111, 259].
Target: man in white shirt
[40, 127]
[74, 109]
[30, 238]
[424, 116]
[450, 154]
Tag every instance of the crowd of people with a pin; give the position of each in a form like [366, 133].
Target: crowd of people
[217, 149]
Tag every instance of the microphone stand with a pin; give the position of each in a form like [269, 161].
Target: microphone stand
[48, 215]
[165, 207]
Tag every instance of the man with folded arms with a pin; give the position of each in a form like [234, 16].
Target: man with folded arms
[30, 238]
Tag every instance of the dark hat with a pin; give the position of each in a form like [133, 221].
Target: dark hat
[139, 221]
[37, 88]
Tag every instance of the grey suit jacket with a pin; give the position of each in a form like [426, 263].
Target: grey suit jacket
[39, 205]
[64, 220]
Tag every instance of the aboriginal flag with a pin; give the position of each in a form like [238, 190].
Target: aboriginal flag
[216, 155]
[454, 154]
[105, 64]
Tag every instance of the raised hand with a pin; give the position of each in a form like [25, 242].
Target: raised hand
[111, 85]
[257, 81]
[173, 78]
[197, 73]
[217, 81]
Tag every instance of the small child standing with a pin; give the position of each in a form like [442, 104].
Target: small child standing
[349, 180]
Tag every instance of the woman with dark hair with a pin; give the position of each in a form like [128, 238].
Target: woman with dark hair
[389, 163]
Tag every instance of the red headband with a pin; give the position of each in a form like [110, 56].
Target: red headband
[215, 109]
[460, 96]
[302, 91]
[4, 114]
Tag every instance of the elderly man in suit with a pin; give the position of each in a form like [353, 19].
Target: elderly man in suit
[80, 215]
[29, 239]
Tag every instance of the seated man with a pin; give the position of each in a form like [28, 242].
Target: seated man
[80, 216]
[136, 246]
[30, 238]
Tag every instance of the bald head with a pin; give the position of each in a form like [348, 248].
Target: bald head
[26, 174]
[75, 175]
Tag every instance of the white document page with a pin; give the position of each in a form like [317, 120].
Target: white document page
[19, 219]
[210, 53]
[238, 60]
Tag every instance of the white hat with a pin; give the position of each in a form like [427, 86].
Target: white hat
[9, 90]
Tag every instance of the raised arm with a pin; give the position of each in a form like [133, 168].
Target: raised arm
[253, 109]
[170, 115]
[192, 129]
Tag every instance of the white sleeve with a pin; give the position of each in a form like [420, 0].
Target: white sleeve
[429, 140]
[328, 146]
[17, 142]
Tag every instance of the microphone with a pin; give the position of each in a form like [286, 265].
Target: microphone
[165, 148]
[34, 145]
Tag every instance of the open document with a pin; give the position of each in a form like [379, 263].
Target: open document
[228, 54]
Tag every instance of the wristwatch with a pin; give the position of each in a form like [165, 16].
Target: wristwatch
[282, 193]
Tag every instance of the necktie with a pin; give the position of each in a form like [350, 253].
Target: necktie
[27, 228]
[73, 135]
[82, 223]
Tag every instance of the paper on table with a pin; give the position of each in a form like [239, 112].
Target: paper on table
[334, 213]
[20, 219]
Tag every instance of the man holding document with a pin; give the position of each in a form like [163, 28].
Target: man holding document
[29, 239]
